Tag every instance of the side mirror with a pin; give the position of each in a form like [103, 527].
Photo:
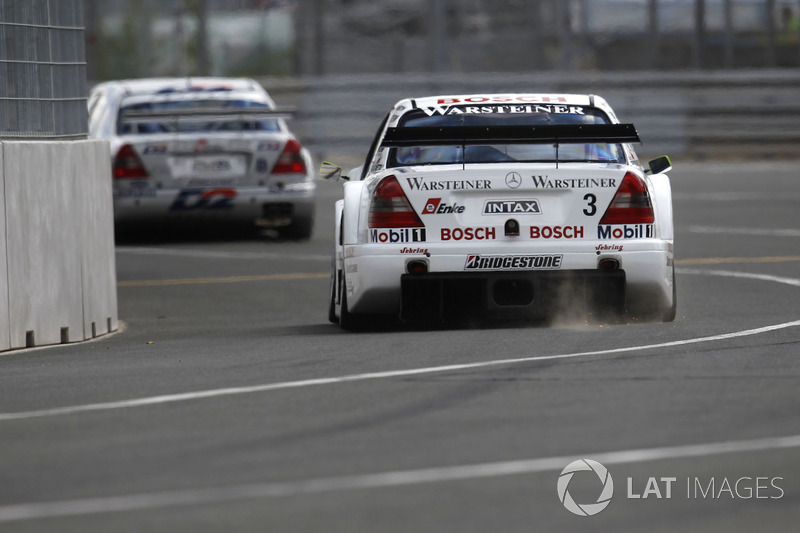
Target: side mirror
[329, 171]
[660, 165]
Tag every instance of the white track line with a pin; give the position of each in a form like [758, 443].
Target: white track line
[210, 254]
[230, 391]
[133, 502]
[767, 232]
[746, 275]
[218, 495]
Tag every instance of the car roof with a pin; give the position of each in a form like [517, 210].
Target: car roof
[505, 98]
[500, 99]
[196, 95]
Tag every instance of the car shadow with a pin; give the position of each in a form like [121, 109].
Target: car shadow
[195, 232]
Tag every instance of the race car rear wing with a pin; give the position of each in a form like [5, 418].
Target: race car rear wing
[483, 135]
[257, 112]
[210, 115]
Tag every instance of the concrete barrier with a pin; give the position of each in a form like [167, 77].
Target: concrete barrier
[57, 243]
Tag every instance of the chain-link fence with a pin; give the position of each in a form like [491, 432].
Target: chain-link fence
[473, 36]
[42, 70]
[141, 38]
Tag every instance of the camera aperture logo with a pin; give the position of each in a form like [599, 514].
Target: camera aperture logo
[595, 468]
[697, 488]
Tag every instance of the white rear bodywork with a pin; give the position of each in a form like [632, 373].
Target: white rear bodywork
[215, 166]
[467, 208]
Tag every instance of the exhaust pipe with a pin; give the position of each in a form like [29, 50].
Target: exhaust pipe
[608, 264]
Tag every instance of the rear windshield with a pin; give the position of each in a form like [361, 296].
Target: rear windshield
[505, 115]
[180, 123]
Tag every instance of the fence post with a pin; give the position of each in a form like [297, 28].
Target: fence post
[438, 35]
[699, 33]
[653, 34]
[729, 35]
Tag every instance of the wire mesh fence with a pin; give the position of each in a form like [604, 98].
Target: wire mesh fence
[42, 70]
[141, 38]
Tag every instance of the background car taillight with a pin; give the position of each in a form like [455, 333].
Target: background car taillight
[127, 164]
[390, 207]
[290, 160]
[631, 204]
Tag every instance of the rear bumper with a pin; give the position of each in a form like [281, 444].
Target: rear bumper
[378, 282]
[267, 207]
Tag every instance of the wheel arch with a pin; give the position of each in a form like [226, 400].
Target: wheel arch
[661, 190]
[351, 207]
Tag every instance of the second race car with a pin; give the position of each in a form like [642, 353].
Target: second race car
[203, 149]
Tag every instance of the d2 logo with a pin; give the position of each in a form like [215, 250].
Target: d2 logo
[190, 199]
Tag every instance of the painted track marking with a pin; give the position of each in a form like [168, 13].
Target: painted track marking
[326, 275]
[133, 502]
[221, 254]
[724, 260]
[759, 232]
[237, 493]
[745, 275]
[225, 279]
[231, 391]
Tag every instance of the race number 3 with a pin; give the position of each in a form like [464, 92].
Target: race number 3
[591, 207]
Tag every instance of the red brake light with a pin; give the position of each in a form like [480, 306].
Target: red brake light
[390, 207]
[127, 164]
[631, 204]
[290, 160]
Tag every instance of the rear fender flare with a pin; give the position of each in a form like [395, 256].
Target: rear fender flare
[661, 190]
[351, 206]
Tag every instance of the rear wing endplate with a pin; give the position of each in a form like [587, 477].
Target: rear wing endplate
[471, 135]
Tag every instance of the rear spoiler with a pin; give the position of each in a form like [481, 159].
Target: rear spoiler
[205, 115]
[555, 133]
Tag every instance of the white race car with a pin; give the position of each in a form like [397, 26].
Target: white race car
[202, 148]
[502, 205]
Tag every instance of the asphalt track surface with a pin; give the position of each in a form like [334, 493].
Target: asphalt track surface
[229, 403]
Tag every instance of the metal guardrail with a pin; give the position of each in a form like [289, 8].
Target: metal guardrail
[43, 86]
[691, 114]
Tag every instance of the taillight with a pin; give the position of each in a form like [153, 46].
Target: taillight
[631, 204]
[290, 160]
[127, 164]
[390, 208]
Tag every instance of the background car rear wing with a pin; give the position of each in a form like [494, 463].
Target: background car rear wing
[166, 117]
[487, 135]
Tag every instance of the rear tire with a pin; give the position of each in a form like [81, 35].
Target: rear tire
[670, 312]
[332, 306]
[356, 321]
[651, 307]
[347, 320]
